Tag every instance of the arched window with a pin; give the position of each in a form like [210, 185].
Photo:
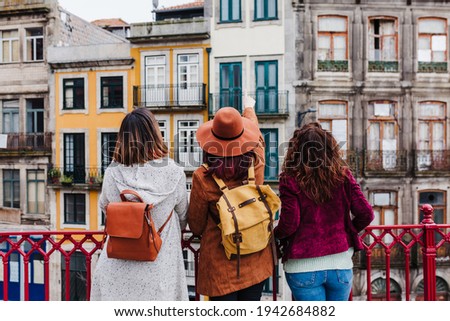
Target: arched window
[333, 116]
[442, 290]
[432, 46]
[332, 43]
[378, 288]
[383, 44]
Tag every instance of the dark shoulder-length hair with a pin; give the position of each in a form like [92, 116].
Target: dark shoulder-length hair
[139, 139]
[230, 168]
[313, 159]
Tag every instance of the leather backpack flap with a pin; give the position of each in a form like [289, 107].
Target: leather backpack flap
[125, 219]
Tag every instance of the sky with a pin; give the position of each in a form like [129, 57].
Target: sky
[130, 10]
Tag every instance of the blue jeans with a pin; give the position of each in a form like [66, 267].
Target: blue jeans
[329, 285]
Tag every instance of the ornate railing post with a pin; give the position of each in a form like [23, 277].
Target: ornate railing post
[429, 253]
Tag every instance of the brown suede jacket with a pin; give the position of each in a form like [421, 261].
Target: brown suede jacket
[216, 274]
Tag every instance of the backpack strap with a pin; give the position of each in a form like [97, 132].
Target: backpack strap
[251, 174]
[165, 223]
[237, 236]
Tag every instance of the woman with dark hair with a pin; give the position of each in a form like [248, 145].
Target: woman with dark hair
[230, 144]
[318, 192]
[140, 163]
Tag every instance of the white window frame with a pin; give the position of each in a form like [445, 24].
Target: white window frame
[10, 46]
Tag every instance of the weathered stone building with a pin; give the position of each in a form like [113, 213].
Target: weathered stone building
[376, 75]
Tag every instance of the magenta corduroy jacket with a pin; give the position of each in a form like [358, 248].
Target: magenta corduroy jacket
[314, 230]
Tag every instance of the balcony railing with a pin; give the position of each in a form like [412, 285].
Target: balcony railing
[267, 103]
[41, 250]
[432, 161]
[438, 67]
[67, 176]
[332, 65]
[383, 66]
[32, 142]
[170, 96]
[394, 161]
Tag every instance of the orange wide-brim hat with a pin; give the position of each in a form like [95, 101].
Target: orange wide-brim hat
[228, 134]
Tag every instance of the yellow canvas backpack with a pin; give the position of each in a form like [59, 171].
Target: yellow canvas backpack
[246, 217]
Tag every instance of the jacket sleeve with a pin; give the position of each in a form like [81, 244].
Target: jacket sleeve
[249, 113]
[359, 206]
[182, 201]
[290, 212]
[198, 206]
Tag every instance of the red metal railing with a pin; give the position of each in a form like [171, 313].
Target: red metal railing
[388, 240]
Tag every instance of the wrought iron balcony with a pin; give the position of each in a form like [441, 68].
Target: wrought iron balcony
[91, 177]
[380, 244]
[268, 104]
[383, 66]
[432, 162]
[378, 162]
[438, 67]
[30, 142]
[332, 65]
[184, 97]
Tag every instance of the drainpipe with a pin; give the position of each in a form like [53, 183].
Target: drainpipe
[208, 50]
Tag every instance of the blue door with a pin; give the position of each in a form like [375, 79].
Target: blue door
[36, 273]
[13, 274]
[266, 87]
[231, 85]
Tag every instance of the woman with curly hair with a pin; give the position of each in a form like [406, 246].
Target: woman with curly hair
[319, 235]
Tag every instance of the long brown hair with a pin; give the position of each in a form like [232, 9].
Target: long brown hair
[139, 139]
[314, 160]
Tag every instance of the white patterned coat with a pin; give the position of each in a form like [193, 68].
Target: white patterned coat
[162, 183]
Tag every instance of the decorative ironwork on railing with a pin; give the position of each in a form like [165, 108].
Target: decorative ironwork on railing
[29, 260]
[386, 161]
[438, 67]
[383, 66]
[432, 160]
[69, 175]
[384, 241]
[332, 65]
[170, 96]
[268, 103]
[40, 142]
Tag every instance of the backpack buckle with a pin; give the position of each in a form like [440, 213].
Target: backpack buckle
[237, 237]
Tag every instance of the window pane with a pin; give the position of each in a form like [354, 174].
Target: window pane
[438, 136]
[272, 7]
[433, 198]
[332, 110]
[389, 49]
[340, 48]
[381, 199]
[432, 26]
[374, 136]
[235, 10]
[431, 110]
[377, 219]
[339, 132]
[438, 43]
[336, 24]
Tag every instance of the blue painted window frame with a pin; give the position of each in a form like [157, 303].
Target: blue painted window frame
[231, 96]
[266, 95]
[271, 153]
[265, 10]
[230, 11]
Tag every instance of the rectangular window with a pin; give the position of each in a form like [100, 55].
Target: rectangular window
[9, 45]
[74, 157]
[156, 91]
[266, 9]
[189, 152]
[112, 92]
[36, 191]
[332, 52]
[432, 46]
[35, 44]
[384, 204]
[383, 45]
[10, 113]
[11, 188]
[108, 146]
[189, 89]
[382, 137]
[163, 128]
[266, 87]
[432, 132]
[271, 150]
[230, 10]
[437, 200]
[74, 209]
[73, 93]
[35, 115]
[333, 117]
[77, 277]
[231, 85]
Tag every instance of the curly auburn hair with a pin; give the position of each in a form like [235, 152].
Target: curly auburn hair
[314, 160]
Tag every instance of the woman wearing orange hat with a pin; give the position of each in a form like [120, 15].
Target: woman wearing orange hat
[230, 143]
